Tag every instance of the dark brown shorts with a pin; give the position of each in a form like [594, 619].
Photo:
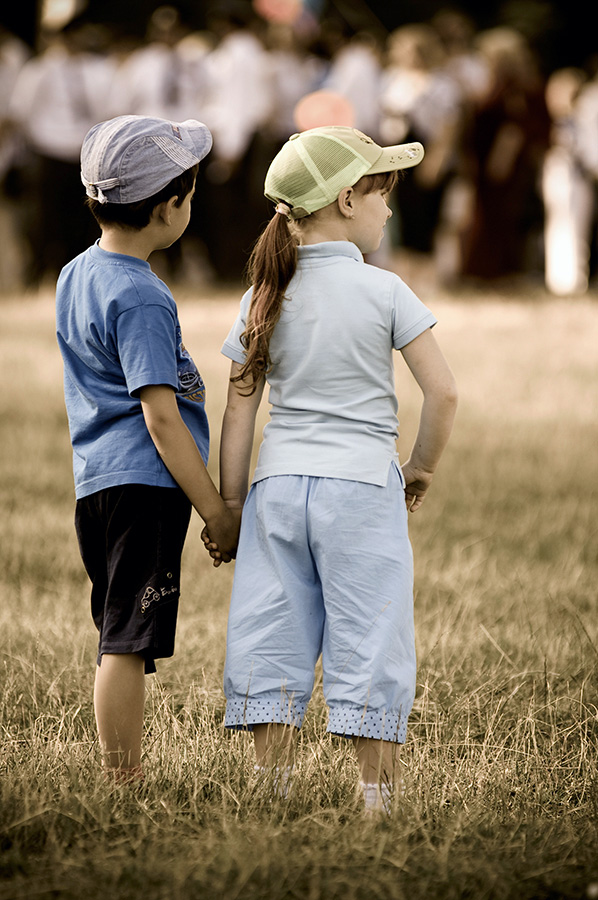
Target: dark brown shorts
[131, 540]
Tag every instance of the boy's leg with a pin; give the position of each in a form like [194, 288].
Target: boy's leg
[119, 696]
[131, 539]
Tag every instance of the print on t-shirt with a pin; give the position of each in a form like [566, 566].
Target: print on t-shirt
[190, 381]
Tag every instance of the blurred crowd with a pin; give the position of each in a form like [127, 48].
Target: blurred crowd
[507, 187]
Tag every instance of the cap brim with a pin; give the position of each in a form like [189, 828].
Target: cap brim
[401, 156]
[199, 135]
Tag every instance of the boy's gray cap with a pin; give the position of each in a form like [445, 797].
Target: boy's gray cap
[131, 158]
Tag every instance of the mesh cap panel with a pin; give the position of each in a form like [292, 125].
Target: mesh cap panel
[313, 167]
[329, 157]
[297, 179]
[314, 171]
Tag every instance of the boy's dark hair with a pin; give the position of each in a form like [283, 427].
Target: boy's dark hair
[137, 215]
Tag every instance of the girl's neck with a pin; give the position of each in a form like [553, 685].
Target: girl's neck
[320, 231]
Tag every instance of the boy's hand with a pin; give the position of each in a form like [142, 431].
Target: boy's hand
[417, 482]
[221, 535]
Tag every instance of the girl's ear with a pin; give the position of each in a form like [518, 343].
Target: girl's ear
[345, 203]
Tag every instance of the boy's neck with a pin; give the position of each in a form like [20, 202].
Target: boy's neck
[129, 242]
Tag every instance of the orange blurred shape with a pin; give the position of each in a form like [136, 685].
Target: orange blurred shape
[323, 108]
[280, 12]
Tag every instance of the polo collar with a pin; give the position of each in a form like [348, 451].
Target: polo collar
[329, 249]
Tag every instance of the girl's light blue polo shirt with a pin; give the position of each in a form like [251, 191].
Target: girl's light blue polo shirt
[332, 388]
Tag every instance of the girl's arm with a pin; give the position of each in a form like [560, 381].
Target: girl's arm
[432, 373]
[178, 450]
[236, 442]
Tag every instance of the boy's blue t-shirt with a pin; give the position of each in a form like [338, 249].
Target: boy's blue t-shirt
[118, 331]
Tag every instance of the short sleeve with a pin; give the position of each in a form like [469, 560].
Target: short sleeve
[233, 347]
[410, 317]
[146, 337]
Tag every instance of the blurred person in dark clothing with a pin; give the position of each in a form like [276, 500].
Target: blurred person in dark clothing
[509, 136]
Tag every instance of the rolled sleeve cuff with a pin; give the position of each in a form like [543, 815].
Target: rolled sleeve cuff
[234, 352]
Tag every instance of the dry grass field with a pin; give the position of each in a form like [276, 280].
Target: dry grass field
[501, 761]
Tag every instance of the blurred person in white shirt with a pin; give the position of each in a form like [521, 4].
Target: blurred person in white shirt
[356, 73]
[236, 109]
[421, 101]
[13, 55]
[58, 95]
[567, 184]
[167, 77]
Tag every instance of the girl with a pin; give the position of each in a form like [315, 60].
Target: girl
[324, 563]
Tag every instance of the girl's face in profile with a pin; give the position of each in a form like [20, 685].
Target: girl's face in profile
[371, 214]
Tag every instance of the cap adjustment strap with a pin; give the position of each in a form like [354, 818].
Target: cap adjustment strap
[96, 189]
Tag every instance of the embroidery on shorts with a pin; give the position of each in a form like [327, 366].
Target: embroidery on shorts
[159, 589]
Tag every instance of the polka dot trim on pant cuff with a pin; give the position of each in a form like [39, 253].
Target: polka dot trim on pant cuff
[243, 713]
[375, 723]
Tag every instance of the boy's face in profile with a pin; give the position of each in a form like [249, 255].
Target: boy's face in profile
[179, 219]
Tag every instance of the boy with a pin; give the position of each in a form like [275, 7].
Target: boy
[135, 404]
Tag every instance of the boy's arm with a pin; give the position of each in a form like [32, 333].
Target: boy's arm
[180, 455]
[432, 373]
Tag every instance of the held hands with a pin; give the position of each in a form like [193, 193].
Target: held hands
[417, 482]
[221, 535]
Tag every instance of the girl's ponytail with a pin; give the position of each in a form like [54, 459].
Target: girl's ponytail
[271, 266]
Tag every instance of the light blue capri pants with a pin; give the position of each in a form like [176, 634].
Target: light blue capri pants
[324, 565]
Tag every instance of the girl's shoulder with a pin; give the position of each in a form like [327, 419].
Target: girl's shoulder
[386, 279]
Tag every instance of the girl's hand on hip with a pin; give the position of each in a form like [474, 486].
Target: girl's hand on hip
[417, 482]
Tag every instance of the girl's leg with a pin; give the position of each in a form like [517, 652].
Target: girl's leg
[274, 744]
[378, 760]
[275, 753]
[119, 696]
[368, 648]
[379, 770]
